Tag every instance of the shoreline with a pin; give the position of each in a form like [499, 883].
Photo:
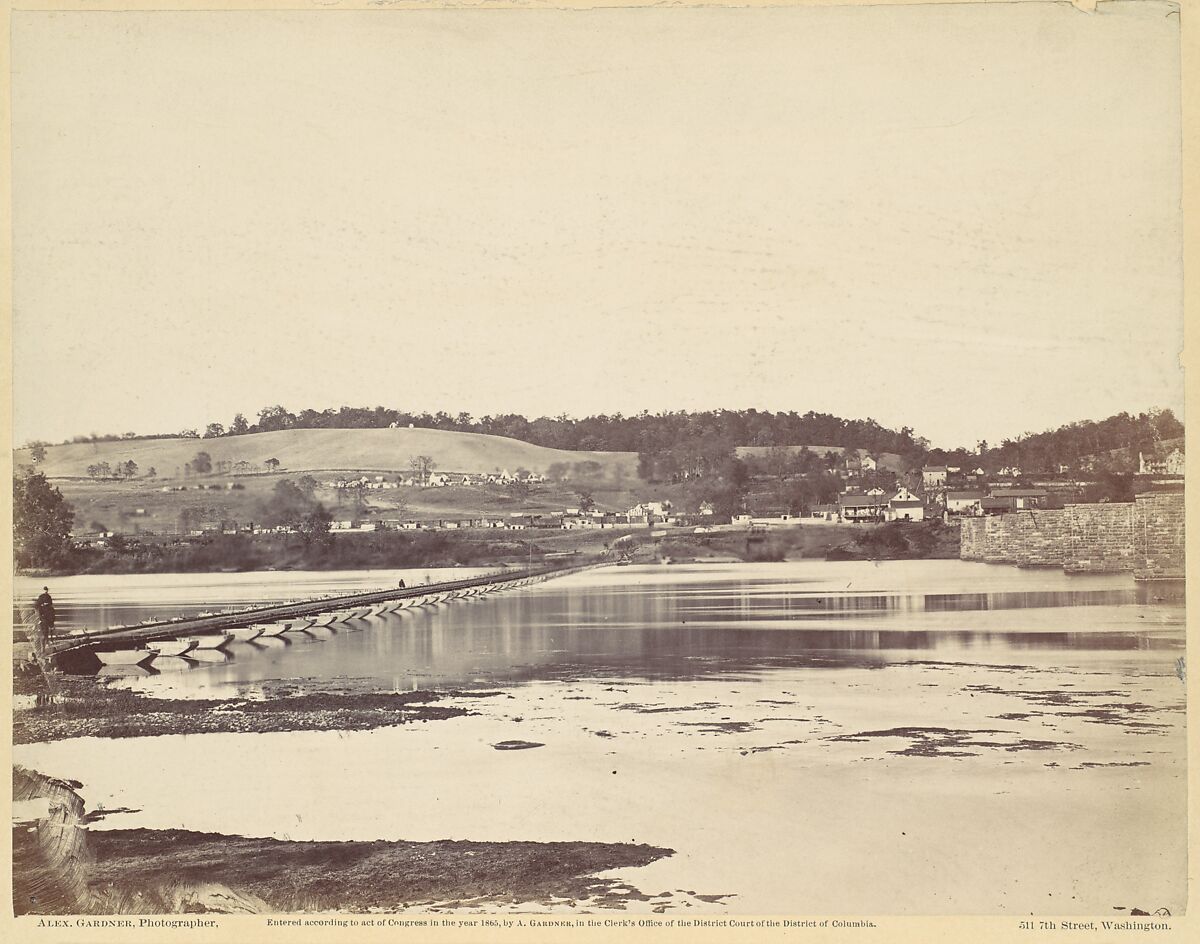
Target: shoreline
[387, 550]
[65, 868]
[84, 706]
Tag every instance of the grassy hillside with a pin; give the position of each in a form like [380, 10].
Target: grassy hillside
[315, 450]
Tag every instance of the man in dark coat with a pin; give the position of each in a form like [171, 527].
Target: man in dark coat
[45, 612]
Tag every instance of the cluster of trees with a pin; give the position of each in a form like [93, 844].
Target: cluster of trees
[1088, 440]
[601, 433]
[122, 470]
[294, 505]
[201, 464]
[42, 522]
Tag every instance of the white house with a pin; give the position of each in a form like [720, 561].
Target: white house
[783, 519]
[964, 503]
[659, 508]
[933, 476]
[1173, 464]
[869, 464]
[905, 506]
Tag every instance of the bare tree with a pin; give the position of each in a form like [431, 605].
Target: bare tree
[422, 467]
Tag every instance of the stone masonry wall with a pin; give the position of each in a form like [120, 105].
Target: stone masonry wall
[1145, 537]
[1158, 535]
[1033, 538]
[1099, 538]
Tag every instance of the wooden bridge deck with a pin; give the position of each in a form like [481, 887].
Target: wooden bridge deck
[221, 622]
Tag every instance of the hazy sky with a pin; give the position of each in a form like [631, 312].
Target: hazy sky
[964, 219]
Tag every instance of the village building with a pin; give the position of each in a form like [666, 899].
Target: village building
[964, 502]
[659, 509]
[905, 506]
[1021, 498]
[774, 519]
[934, 476]
[862, 508]
[824, 512]
[1173, 463]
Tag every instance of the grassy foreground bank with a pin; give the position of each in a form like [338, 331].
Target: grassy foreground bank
[74, 870]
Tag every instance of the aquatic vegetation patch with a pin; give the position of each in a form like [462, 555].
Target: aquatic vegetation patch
[951, 742]
[516, 745]
[89, 708]
[721, 727]
[667, 709]
[1128, 714]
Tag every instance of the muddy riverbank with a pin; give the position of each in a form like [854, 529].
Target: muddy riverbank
[89, 707]
[151, 871]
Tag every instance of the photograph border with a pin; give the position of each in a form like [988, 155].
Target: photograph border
[238, 929]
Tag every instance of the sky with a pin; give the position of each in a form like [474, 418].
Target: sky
[963, 219]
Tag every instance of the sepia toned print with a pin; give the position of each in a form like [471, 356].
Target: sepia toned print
[603, 469]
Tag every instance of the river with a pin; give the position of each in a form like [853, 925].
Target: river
[865, 738]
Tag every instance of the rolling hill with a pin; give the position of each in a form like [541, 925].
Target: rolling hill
[317, 450]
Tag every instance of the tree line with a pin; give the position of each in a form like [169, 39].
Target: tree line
[682, 443]
[600, 433]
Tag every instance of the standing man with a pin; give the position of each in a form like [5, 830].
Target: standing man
[45, 612]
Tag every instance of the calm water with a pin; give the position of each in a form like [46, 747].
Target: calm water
[654, 622]
[99, 601]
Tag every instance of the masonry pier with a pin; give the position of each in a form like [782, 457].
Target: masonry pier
[1144, 537]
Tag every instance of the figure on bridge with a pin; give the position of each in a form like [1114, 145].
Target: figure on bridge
[45, 612]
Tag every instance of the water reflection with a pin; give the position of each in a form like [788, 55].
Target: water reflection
[679, 624]
[98, 601]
